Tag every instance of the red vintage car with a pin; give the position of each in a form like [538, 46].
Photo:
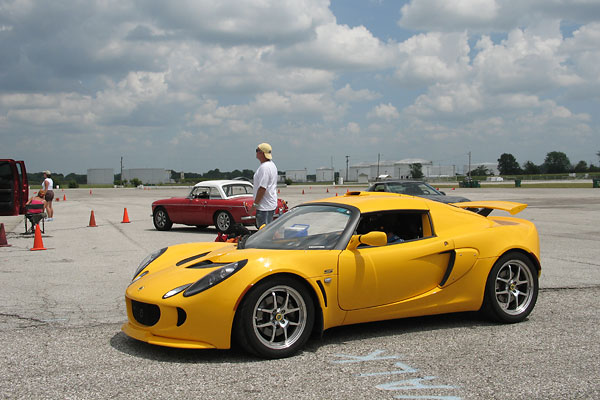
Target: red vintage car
[221, 203]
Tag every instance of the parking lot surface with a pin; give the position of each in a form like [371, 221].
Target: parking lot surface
[61, 310]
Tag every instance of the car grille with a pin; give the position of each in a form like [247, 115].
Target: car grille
[144, 313]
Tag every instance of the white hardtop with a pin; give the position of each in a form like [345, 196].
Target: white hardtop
[222, 182]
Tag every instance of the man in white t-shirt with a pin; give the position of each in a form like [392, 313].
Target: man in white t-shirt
[265, 186]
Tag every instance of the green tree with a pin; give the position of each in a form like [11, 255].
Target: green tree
[508, 165]
[416, 170]
[248, 173]
[556, 162]
[529, 168]
[581, 167]
[480, 171]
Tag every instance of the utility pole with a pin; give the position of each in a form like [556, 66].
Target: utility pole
[347, 158]
[121, 169]
[469, 173]
[378, 158]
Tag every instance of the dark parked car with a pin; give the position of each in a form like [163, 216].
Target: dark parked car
[415, 188]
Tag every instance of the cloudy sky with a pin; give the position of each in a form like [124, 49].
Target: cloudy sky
[195, 85]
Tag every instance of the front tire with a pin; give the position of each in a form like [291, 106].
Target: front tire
[161, 220]
[511, 289]
[276, 318]
[223, 221]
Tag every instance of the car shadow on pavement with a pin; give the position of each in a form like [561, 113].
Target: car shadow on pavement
[402, 326]
[136, 348]
[333, 336]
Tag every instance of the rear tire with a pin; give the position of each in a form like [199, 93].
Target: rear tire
[223, 221]
[161, 220]
[275, 319]
[511, 289]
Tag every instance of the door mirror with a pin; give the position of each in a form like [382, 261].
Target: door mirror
[374, 238]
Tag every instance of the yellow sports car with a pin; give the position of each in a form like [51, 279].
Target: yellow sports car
[343, 260]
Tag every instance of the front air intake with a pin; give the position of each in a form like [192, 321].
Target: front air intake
[144, 313]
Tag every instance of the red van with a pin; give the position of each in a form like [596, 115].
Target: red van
[14, 187]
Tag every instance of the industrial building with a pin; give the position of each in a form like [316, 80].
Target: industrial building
[100, 176]
[296, 175]
[325, 174]
[148, 176]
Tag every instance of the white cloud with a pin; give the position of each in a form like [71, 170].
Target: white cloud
[347, 94]
[486, 16]
[338, 47]
[448, 15]
[173, 78]
[353, 128]
[433, 57]
[384, 111]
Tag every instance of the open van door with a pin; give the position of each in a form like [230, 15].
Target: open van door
[24, 184]
[14, 187]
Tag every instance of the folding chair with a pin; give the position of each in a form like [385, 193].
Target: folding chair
[34, 218]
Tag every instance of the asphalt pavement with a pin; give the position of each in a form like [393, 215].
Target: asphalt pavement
[61, 310]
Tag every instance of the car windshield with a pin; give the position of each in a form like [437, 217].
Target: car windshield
[412, 188]
[311, 227]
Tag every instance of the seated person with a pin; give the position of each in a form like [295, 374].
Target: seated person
[391, 235]
[35, 214]
[393, 238]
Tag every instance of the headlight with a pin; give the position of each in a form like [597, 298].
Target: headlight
[214, 277]
[146, 261]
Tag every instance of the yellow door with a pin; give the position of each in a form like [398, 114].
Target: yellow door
[375, 276]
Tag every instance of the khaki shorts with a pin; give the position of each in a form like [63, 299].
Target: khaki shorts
[49, 195]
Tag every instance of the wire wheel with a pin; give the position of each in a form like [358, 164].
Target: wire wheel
[223, 221]
[161, 220]
[279, 317]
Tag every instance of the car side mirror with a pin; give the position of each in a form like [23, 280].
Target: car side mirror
[374, 238]
[443, 193]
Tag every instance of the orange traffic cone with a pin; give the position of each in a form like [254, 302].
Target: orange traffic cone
[90, 192]
[58, 199]
[38, 244]
[64, 197]
[3, 241]
[335, 194]
[278, 190]
[92, 220]
[302, 191]
[125, 217]
[327, 190]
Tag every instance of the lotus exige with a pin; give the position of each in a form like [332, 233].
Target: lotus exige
[343, 260]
